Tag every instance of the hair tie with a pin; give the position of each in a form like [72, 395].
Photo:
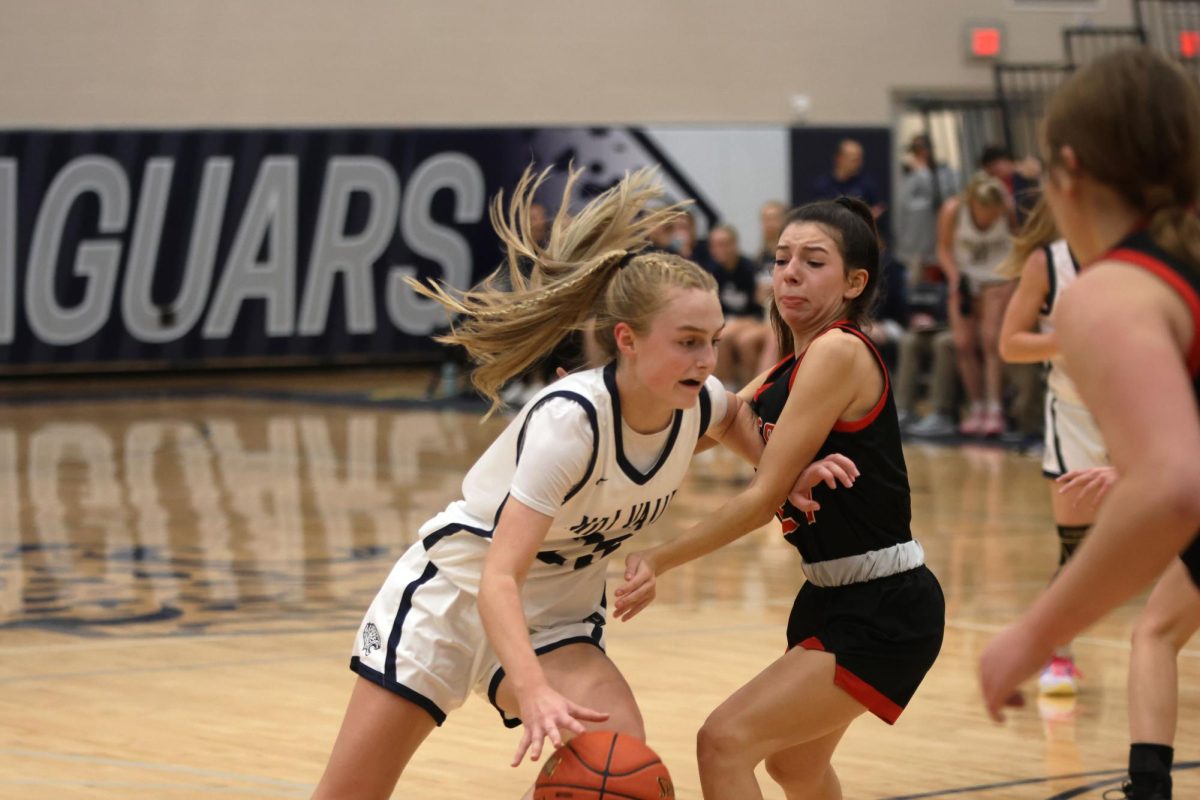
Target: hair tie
[1159, 196]
[625, 259]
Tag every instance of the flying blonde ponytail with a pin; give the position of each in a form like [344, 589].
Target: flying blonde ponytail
[588, 269]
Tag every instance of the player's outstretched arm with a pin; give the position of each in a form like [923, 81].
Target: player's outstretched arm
[1020, 342]
[519, 534]
[820, 395]
[641, 579]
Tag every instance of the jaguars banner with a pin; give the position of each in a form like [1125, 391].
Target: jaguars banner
[174, 248]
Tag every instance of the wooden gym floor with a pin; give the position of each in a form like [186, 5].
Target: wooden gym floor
[184, 563]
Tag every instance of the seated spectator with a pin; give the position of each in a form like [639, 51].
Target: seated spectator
[847, 178]
[770, 218]
[927, 333]
[745, 333]
[890, 319]
[685, 241]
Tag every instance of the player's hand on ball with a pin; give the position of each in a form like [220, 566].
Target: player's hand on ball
[547, 714]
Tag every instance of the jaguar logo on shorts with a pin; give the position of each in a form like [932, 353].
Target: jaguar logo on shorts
[371, 640]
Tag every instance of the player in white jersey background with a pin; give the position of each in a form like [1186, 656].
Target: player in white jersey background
[1074, 457]
[504, 594]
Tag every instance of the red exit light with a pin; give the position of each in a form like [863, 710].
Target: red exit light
[1189, 44]
[986, 42]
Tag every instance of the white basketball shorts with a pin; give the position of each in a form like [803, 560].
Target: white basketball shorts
[422, 638]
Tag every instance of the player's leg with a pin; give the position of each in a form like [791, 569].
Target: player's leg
[379, 735]
[1071, 442]
[992, 302]
[583, 674]
[804, 772]
[402, 645]
[792, 702]
[1170, 618]
[1060, 677]
[964, 327]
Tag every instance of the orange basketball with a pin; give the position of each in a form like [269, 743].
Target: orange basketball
[602, 765]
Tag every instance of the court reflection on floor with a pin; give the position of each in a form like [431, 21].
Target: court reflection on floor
[175, 515]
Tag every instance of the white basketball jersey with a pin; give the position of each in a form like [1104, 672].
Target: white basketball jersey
[610, 503]
[1061, 269]
[978, 252]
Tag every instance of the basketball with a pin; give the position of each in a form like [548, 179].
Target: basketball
[602, 765]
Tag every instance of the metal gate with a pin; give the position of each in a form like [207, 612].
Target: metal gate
[1022, 91]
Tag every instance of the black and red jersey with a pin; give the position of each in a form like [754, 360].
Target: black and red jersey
[1139, 250]
[873, 514]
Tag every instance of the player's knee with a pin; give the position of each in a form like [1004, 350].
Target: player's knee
[801, 778]
[625, 720]
[1155, 627]
[721, 739]
[612, 695]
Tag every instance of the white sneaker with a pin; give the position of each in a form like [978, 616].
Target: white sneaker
[934, 424]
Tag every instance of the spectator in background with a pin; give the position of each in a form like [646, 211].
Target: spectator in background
[889, 321]
[662, 238]
[974, 237]
[1021, 178]
[928, 333]
[997, 161]
[684, 240]
[770, 219]
[745, 332]
[847, 178]
[918, 201]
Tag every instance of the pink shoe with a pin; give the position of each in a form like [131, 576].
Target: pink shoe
[1060, 678]
[993, 424]
[973, 424]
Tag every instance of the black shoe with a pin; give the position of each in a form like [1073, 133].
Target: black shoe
[1130, 792]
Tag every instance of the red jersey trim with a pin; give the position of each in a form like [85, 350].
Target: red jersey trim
[871, 698]
[1176, 282]
[769, 383]
[799, 358]
[856, 425]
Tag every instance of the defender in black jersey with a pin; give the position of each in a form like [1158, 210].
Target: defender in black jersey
[1123, 184]
[868, 623]
[884, 631]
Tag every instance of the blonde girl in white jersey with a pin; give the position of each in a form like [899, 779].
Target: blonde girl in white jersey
[974, 237]
[504, 593]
